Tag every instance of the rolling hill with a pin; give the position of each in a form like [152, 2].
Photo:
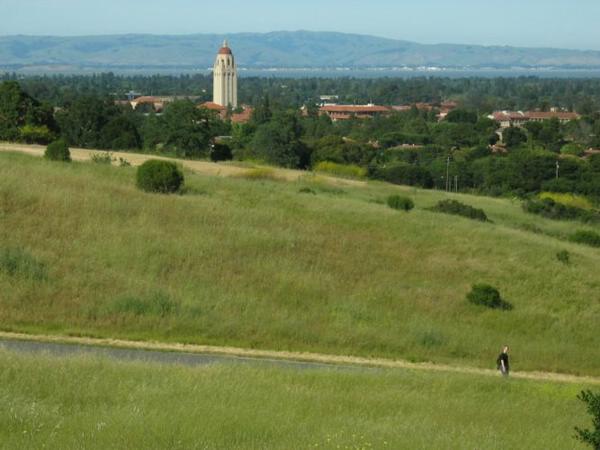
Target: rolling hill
[298, 49]
[301, 265]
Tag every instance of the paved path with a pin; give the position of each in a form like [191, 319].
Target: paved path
[202, 354]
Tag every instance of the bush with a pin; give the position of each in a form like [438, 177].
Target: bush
[58, 151]
[102, 158]
[551, 209]
[590, 437]
[341, 170]
[403, 173]
[564, 257]
[400, 203]
[159, 176]
[220, 152]
[488, 296]
[590, 238]
[307, 190]
[460, 209]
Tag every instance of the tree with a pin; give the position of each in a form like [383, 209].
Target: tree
[514, 137]
[23, 118]
[188, 130]
[120, 133]
[83, 121]
[278, 142]
[262, 113]
[462, 116]
[590, 437]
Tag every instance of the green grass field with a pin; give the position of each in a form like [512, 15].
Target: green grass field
[91, 403]
[257, 263]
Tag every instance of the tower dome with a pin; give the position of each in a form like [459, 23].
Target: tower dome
[225, 78]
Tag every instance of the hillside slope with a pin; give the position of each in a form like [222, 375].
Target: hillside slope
[278, 49]
[288, 266]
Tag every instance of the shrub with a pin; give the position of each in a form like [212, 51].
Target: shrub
[123, 162]
[590, 238]
[400, 203]
[460, 209]
[564, 257]
[102, 158]
[590, 437]
[307, 190]
[488, 296]
[159, 176]
[403, 173]
[16, 262]
[572, 149]
[341, 170]
[568, 199]
[551, 209]
[58, 151]
[220, 152]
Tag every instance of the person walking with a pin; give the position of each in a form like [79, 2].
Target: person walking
[502, 361]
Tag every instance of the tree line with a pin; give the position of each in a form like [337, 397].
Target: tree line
[411, 147]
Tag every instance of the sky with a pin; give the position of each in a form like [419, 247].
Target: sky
[524, 23]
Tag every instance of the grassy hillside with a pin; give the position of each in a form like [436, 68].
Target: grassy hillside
[257, 263]
[95, 403]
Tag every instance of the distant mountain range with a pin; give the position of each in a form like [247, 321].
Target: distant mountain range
[297, 49]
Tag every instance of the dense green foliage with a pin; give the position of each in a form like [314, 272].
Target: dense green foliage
[58, 151]
[411, 147]
[23, 118]
[400, 202]
[159, 176]
[477, 94]
[551, 209]
[488, 296]
[591, 437]
[460, 209]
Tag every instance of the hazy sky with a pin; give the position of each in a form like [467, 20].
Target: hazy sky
[536, 23]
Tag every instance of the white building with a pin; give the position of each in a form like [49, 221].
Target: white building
[225, 78]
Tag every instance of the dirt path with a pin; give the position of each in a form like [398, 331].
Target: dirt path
[302, 360]
[201, 167]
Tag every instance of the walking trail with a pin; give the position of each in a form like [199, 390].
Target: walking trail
[201, 167]
[297, 359]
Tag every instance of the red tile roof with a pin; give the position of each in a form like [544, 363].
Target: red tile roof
[213, 106]
[355, 108]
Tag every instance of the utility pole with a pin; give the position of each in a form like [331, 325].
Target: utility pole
[456, 183]
[557, 169]
[448, 175]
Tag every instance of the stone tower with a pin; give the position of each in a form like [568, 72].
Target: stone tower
[225, 78]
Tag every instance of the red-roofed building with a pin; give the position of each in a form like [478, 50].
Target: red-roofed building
[241, 117]
[519, 118]
[346, 112]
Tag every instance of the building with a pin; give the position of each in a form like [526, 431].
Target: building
[519, 118]
[157, 104]
[236, 117]
[346, 112]
[225, 78]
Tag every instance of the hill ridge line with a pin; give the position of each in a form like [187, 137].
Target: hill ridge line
[300, 357]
